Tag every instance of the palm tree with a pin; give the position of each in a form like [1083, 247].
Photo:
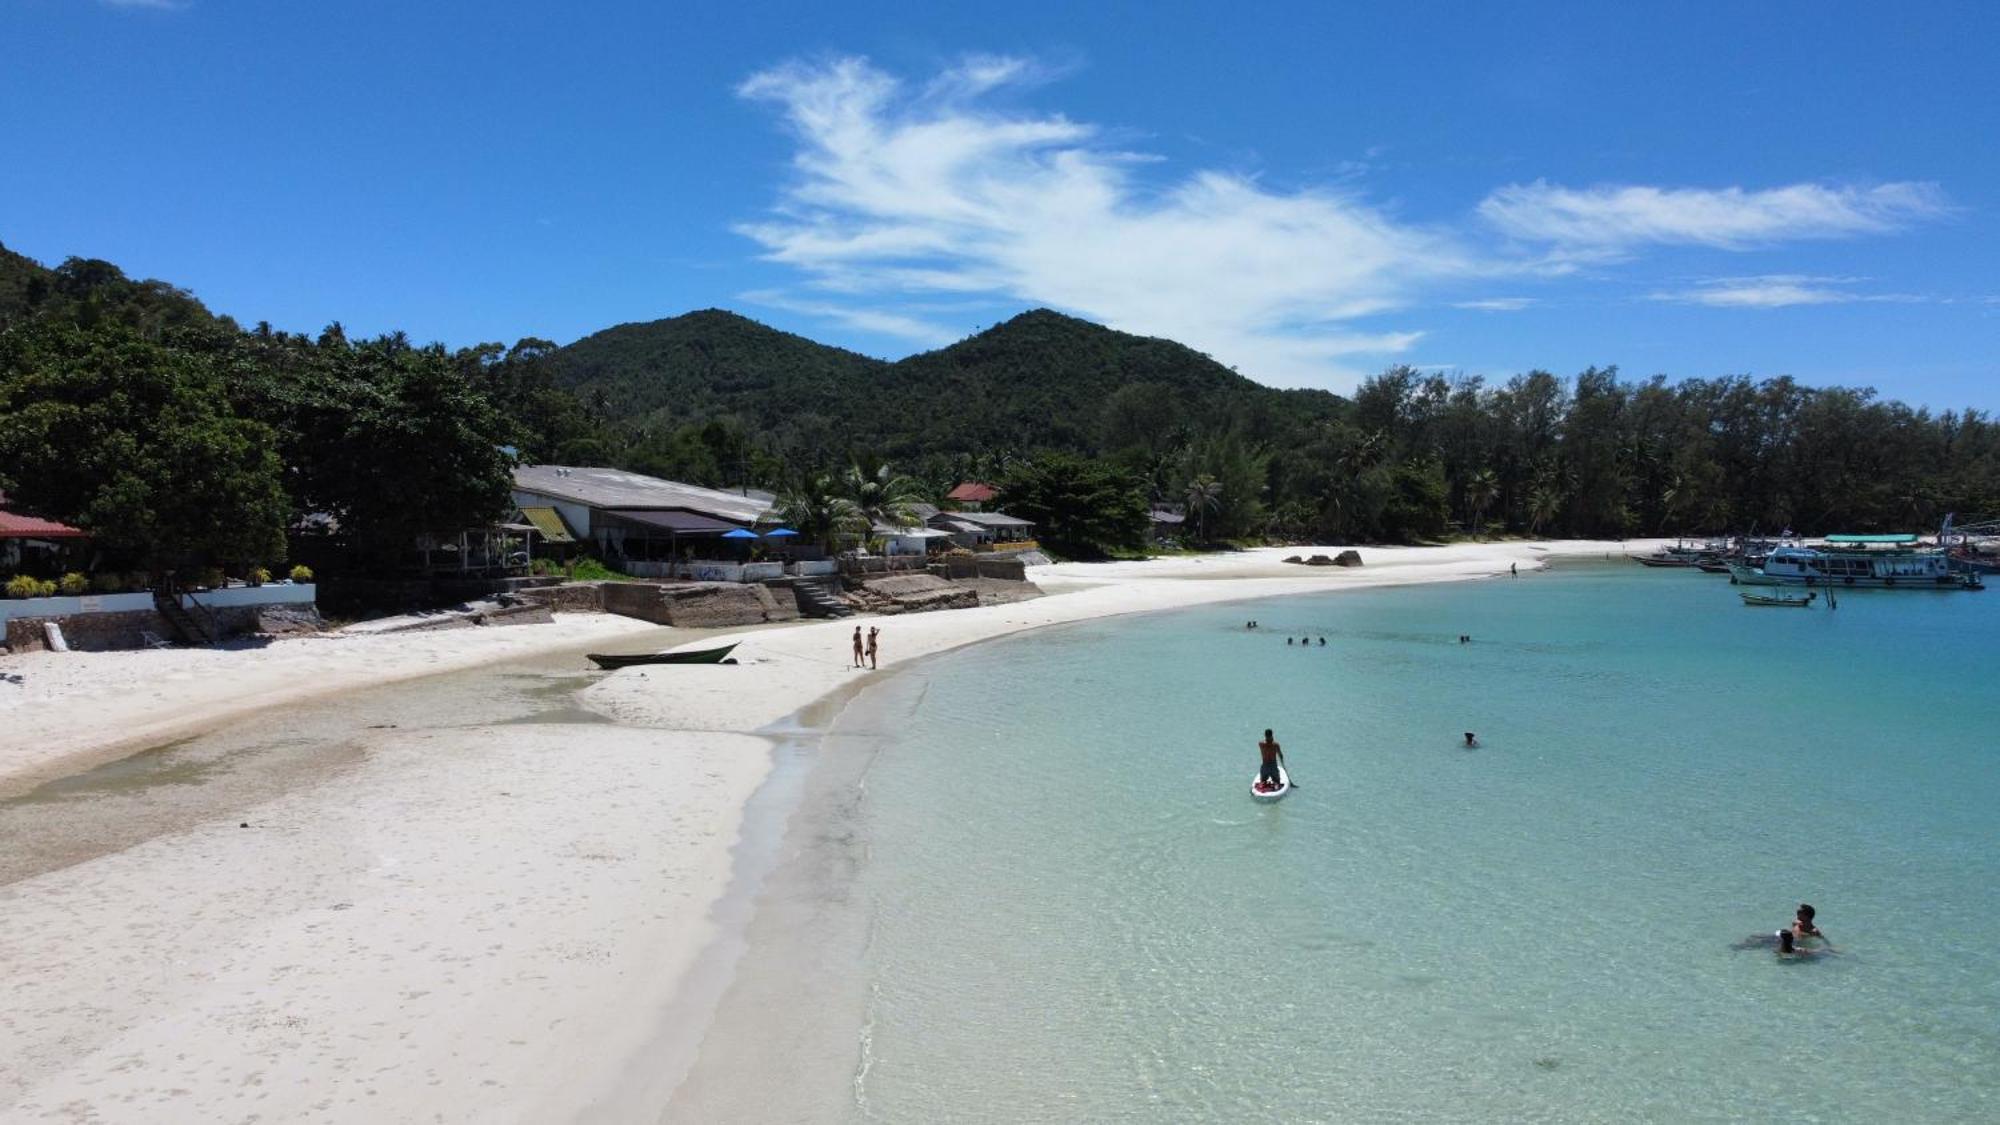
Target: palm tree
[879, 494]
[1544, 504]
[1204, 495]
[1479, 492]
[815, 507]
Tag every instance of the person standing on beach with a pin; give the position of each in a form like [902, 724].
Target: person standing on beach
[857, 646]
[872, 631]
[1267, 773]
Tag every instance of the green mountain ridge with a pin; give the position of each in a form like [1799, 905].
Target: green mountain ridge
[1039, 380]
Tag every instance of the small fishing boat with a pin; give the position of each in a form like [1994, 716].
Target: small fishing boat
[1789, 601]
[611, 662]
[1259, 792]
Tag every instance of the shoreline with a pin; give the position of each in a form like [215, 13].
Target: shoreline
[643, 825]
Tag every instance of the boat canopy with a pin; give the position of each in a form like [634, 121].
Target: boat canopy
[1902, 538]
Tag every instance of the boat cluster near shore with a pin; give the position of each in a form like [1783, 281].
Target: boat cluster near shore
[1958, 559]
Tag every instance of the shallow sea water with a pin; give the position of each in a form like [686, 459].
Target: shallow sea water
[1076, 913]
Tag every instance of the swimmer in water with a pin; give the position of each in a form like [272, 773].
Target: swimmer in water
[1471, 741]
[1788, 946]
[1803, 926]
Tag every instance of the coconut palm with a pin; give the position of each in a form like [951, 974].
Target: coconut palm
[1481, 491]
[817, 508]
[1204, 495]
[881, 496]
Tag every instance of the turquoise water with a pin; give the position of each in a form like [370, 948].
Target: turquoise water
[1076, 913]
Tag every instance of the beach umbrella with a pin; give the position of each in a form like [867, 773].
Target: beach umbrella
[780, 533]
[739, 533]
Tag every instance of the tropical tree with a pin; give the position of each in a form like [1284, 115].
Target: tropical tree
[1481, 491]
[879, 494]
[817, 508]
[1080, 507]
[1204, 495]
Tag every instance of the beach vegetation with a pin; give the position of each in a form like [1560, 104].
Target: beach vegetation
[817, 506]
[587, 569]
[73, 584]
[28, 586]
[1081, 508]
[302, 573]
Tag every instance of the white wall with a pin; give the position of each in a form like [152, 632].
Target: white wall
[300, 593]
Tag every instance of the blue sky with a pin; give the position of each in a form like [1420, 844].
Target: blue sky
[1307, 192]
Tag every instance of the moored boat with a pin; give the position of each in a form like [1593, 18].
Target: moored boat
[1788, 601]
[611, 662]
[1889, 562]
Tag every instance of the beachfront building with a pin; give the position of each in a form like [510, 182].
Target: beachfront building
[30, 541]
[649, 527]
[971, 496]
[1168, 524]
[986, 531]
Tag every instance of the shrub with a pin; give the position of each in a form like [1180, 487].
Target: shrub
[302, 573]
[108, 582]
[22, 586]
[211, 577]
[73, 584]
[259, 575]
[544, 568]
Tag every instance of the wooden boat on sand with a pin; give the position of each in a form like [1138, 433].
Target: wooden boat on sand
[611, 662]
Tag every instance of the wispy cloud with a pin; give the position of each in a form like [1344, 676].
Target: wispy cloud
[1619, 217]
[866, 319]
[1775, 291]
[901, 192]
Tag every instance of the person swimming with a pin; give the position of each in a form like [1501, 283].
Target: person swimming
[1322, 642]
[1471, 741]
[1288, 640]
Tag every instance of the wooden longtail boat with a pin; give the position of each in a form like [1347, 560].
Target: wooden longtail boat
[614, 661]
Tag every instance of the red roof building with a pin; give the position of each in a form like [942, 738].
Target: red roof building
[14, 526]
[972, 492]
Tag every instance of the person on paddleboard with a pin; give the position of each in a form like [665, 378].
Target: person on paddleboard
[1267, 773]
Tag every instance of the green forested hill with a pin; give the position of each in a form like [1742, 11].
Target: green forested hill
[1039, 381]
[86, 290]
[709, 364]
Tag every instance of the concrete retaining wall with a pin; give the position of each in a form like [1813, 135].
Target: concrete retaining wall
[698, 605]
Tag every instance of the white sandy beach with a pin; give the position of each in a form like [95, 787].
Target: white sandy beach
[471, 923]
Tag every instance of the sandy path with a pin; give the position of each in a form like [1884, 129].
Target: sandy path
[65, 712]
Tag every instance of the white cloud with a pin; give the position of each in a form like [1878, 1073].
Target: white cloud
[1617, 217]
[903, 192]
[900, 194]
[1774, 291]
[879, 321]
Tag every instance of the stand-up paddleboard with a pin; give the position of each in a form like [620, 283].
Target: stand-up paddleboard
[1260, 793]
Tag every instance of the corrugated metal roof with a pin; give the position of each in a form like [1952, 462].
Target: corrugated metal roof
[972, 492]
[615, 488]
[16, 526]
[679, 523]
[992, 519]
[550, 523]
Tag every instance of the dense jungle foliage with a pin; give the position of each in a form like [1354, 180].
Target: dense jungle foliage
[182, 439]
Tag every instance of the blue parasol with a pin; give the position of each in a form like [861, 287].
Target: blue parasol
[739, 533]
[780, 533]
